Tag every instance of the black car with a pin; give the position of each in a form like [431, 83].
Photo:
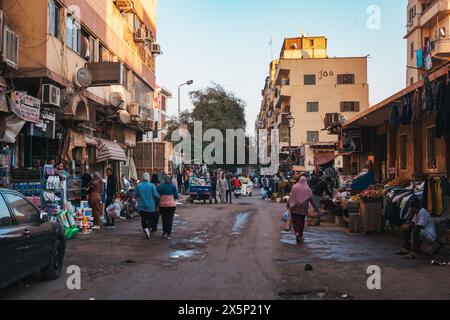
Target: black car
[29, 242]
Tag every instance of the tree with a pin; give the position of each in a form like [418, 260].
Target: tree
[217, 109]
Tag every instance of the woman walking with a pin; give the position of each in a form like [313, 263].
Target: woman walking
[299, 200]
[157, 183]
[95, 198]
[147, 195]
[167, 205]
[222, 188]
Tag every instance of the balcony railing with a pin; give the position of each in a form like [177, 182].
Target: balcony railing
[441, 47]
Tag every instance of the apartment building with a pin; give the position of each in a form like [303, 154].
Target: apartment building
[307, 84]
[91, 64]
[428, 37]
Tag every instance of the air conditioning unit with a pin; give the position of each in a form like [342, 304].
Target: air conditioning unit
[51, 95]
[155, 48]
[140, 35]
[10, 50]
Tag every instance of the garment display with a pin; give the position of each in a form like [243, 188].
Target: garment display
[406, 116]
[395, 118]
[435, 191]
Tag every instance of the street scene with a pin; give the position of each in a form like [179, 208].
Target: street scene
[156, 150]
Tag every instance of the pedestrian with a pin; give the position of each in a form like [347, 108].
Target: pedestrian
[111, 190]
[167, 205]
[95, 197]
[155, 180]
[147, 195]
[229, 189]
[180, 181]
[299, 200]
[420, 227]
[222, 188]
[214, 186]
[321, 188]
[236, 185]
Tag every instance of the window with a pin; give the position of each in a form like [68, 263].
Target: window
[54, 12]
[311, 43]
[312, 107]
[431, 148]
[412, 13]
[412, 51]
[310, 79]
[126, 78]
[403, 142]
[350, 106]
[73, 38]
[346, 79]
[5, 217]
[22, 209]
[313, 136]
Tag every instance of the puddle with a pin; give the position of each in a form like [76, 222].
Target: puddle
[340, 246]
[239, 223]
[183, 254]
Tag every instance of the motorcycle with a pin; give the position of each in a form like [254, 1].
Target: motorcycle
[130, 207]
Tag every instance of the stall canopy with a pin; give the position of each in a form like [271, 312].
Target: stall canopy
[324, 158]
[108, 150]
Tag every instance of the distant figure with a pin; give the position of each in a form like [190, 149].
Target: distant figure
[222, 189]
[299, 200]
[147, 196]
[168, 195]
[95, 197]
[111, 190]
[157, 183]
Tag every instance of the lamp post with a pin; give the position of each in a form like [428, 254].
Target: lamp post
[290, 124]
[187, 83]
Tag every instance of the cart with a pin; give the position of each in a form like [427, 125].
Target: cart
[200, 189]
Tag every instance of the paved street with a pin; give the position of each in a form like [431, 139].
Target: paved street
[236, 252]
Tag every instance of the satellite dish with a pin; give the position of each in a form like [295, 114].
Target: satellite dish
[124, 117]
[83, 78]
[116, 99]
[442, 32]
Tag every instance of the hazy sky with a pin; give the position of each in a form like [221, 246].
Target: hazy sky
[227, 42]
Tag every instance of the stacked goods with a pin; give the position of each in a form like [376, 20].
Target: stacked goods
[399, 182]
[66, 219]
[372, 195]
[83, 218]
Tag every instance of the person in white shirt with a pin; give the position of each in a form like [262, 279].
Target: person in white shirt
[420, 228]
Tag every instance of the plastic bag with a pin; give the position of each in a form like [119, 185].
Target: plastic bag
[286, 216]
[113, 211]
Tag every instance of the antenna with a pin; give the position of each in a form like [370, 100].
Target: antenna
[271, 47]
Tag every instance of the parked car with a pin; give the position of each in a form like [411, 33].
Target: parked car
[29, 242]
[246, 187]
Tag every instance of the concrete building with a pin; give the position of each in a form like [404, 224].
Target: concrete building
[91, 63]
[308, 84]
[427, 36]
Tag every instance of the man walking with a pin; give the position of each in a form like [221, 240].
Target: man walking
[111, 190]
[147, 195]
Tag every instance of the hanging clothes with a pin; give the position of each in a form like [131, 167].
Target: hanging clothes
[440, 111]
[428, 94]
[415, 105]
[406, 116]
[445, 106]
[436, 189]
[395, 118]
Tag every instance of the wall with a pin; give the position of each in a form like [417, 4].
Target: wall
[326, 92]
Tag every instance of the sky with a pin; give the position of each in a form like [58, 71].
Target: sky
[228, 42]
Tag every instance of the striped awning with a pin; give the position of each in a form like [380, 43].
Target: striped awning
[108, 150]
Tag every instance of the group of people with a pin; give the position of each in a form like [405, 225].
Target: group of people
[224, 186]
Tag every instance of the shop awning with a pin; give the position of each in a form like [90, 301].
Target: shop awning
[324, 158]
[108, 150]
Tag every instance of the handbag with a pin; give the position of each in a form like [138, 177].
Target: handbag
[286, 216]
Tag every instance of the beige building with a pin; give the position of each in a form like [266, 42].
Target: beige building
[91, 64]
[428, 37]
[308, 84]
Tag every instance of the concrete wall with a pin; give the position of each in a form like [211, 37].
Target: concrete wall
[326, 92]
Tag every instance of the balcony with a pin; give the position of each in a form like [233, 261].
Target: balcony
[413, 24]
[441, 48]
[282, 77]
[282, 99]
[435, 8]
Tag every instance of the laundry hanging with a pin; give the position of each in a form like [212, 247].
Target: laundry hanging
[395, 119]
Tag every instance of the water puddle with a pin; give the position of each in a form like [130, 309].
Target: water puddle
[240, 222]
[184, 254]
[288, 238]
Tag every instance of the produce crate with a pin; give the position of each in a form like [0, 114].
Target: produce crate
[371, 216]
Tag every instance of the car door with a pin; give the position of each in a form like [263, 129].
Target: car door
[38, 239]
[10, 242]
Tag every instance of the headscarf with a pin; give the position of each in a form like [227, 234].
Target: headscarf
[97, 176]
[155, 179]
[167, 179]
[300, 193]
[146, 177]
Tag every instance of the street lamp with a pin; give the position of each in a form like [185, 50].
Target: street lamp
[290, 124]
[188, 83]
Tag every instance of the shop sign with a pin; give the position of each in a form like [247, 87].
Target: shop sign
[26, 107]
[46, 126]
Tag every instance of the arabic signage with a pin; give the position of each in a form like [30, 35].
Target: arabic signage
[26, 107]
[351, 141]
